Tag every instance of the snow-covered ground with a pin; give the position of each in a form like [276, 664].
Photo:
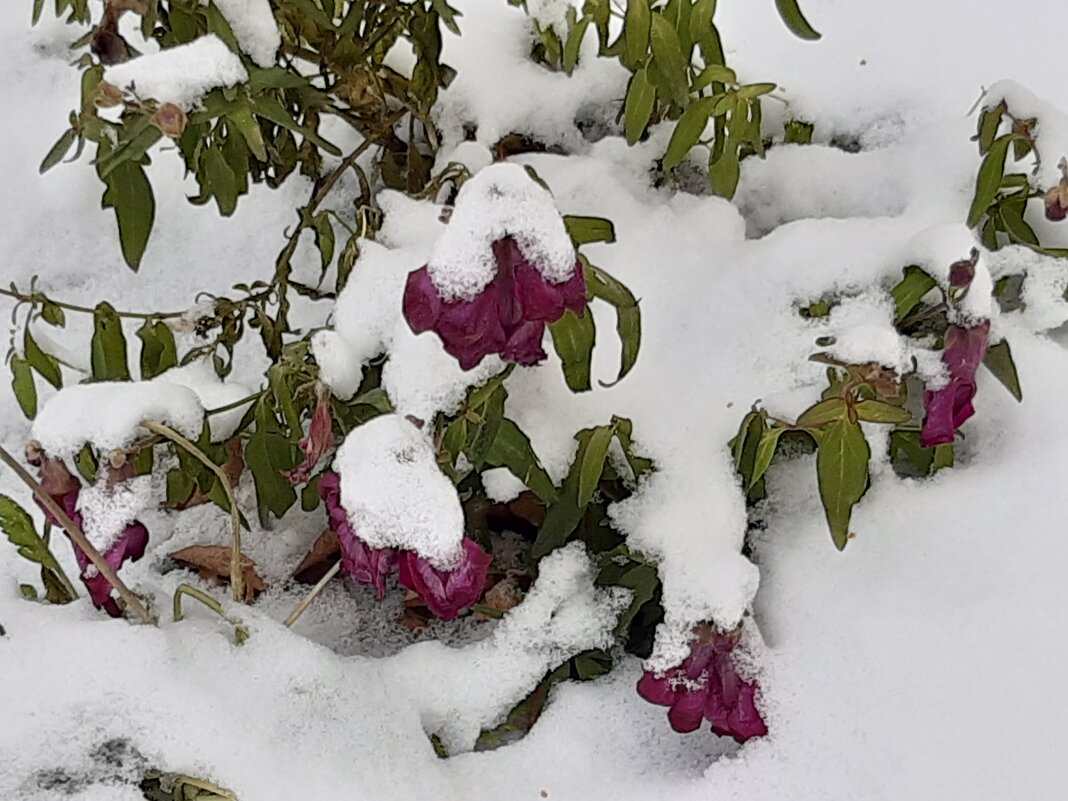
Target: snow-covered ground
[923, 662]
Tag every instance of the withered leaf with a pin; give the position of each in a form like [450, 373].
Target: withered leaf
[213, 562]
[324, 552]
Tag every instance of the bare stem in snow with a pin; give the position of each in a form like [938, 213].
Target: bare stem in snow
[237, 583]
[240, 631]
[318, 588]
[79, 539]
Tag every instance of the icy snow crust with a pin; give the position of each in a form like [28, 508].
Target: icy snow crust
[395, 493]
[922, 663]
[499, 201]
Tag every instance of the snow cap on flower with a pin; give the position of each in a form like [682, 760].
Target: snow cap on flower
[504, 267]
[447, 592]
[365, 564]
[949, 407]
[707, 686]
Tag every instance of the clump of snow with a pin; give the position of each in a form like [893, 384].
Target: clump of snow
[862, 330]
[213, 392]
[252, 22]
[395, 493]
[550, 14]
[473, 688]
[1051, 130]
[107, 415]
[106, 511]
[181, 75]
[501, 200]
[501, 484]
[472, 155]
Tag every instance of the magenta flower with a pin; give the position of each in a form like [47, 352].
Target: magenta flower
[707, 686]
[507, 317]
[949, 407]
[64, 488]
[447, 592]
[317, 441]
[365, 564]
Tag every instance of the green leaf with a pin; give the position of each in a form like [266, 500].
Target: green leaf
[998, 360]
[795, 20]
[511, 448]
[218, 179]
[20, 531]
[842, 470]
[483, 433]
[988, 181]
[669, 59]
[765, 452]
[714, 73]
[754, 90]
[38, 7]
[798, 132]
[1011, 215]
[44, 363]
[875, 411]
[638, 108]
[324, 239]
[158, 350]
[642, 580]
[58, 151]
[636, 25]
[701, 17]
[23, 387]
[826, 411]
[943, 456]
[573, 340]
[267, 456]
[273, 78]
[910, 291]
[53, 314]
[130, 194]
[108, 346]
[565, 512]
[573, 43]
[592, 465]
[269, 108]
[989, 121]
[744, 447]
[604, 287]
[584, 230]
[243, 120]
[688, 131]
[724, 172]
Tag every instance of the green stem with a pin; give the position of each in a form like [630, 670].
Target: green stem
[235, 404]
[40, 297]
[240, 631]
[236, 576]
[79, 538]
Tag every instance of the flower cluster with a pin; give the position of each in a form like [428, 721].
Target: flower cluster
[507, 317]
[446, 593]
[707, 686]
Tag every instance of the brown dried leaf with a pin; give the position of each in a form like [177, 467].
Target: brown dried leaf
[416, 615]
[212, 562]
[324, 552]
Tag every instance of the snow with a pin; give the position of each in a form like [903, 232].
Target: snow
[501, 200]
[501, 485]
[181, 75]
[921, 663]
[395, 493]
[213, 393]
[106, 511]
[108, 414]
[252, 22]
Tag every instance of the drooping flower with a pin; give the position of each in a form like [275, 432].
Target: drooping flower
[365, 564]
[706, 686]
[447, 592]
[1056, 198]
[949, 407]
[130, 545]
[318, 440]
[508, 316]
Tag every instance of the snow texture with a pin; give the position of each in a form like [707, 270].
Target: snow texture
[252, 22]
[395, 493]
[107, 510]
[181, 75]
[501, 484]
[213, 393]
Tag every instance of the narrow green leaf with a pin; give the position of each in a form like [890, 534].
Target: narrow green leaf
[636, 27]
[44, 363]
[714, 73]
[130, 194]
[765, 452]
[323, 230]
[573, 43]
[754, 90]
[669, 59]
[108, 346]
[220, 180]
[269, 108]
[795, 20]
[724, 172]
[573, 340]
[593, 459]
[267, 456]
[842, 470]
[23, 387]
[875, 411]
[989, 179]
[910, 291]
[18, 526]
[584, 230]
[38, 7]
[483, 433]
[943, 456]
[688, 131]
[826, 411]
[274, 78]
[638, 107]
[243, 120]
[1015, 226]
[512, 449]
[744, 447]
[989, 121]
[58, 151]
[998, 360]
[158, 350]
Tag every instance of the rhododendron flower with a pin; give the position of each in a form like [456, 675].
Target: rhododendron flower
[317, 441]
[507, 317]
[707, 686]
[365, 564]
[64, 489]
[949, 407]
[447, 592]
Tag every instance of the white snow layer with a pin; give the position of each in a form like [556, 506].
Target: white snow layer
[395, 493]
[106, 511]
[213, 393]
[252, 22]
[181, 75]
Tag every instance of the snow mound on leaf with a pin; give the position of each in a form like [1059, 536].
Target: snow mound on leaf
[181, 75]
[252, 22]
[213, 393]
[395, 494]
[502, 200]
[108, 415]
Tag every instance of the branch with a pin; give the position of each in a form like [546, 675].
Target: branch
[318, 588]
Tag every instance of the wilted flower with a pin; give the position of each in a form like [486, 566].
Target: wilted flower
[64, 489]
[1056, 198]
[962, 272]
[365, 564]
[447, 592]
[170, 120]
[318, 440]
[707, 686]
[507, 317]
[949, 407]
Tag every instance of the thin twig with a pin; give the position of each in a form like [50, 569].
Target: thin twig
[234, 405]
[75, 533]
[236, 576]
[40, 297]
[318, 588]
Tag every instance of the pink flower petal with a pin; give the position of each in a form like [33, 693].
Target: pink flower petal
[447, 592]
[422, 303]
